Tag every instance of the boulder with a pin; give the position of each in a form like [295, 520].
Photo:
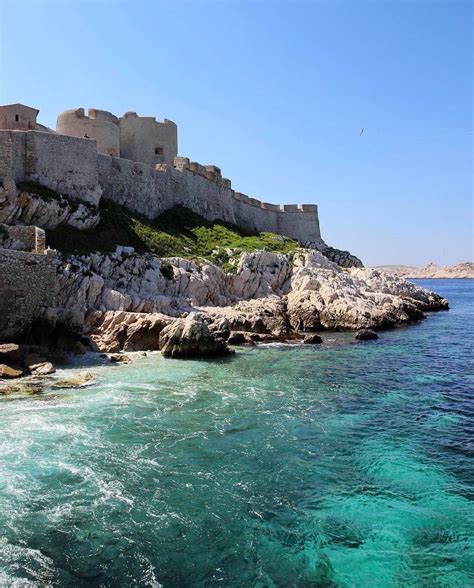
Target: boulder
[131, 331]
[366, 335]
[9, 372]
[79, 381]
[118, 358]
[190, 337]
[312, 339]
[10, 351]
[236, 338]
[42, 369]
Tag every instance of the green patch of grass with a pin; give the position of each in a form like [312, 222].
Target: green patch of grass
[178, 232]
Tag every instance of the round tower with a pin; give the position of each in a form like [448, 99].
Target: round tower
[144, 139]
[100, 125]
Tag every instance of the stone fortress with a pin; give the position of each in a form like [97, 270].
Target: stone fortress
[133, 160]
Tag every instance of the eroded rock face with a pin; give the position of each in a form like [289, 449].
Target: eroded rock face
[190, 337]
[270, 294]
[130, 331]
[28, 208]
[327, 297]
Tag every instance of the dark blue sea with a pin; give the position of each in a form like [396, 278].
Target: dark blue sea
[343, 465]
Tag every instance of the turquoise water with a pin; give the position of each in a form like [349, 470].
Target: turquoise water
[343, 465]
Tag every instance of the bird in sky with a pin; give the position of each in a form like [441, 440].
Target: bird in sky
[361, 131]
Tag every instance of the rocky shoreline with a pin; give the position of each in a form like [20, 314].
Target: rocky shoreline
[432, 271]
[130, 302]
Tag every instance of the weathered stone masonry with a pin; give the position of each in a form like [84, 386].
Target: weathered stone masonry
[27, 279]
[148, 177]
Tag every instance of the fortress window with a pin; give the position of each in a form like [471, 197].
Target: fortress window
[16, 118]
[158, 150]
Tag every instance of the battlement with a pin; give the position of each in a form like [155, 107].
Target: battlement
[165, 121]
[133, 160]
[97, 124]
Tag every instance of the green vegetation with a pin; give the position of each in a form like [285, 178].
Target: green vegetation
[177, 232]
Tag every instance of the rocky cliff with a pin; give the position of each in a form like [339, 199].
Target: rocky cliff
[269, 293]
[457, 271]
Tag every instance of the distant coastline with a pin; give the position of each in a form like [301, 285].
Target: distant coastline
[431, 271]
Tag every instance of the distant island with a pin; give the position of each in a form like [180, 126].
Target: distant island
[432, 270]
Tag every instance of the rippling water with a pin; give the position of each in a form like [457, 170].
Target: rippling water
[348, 464]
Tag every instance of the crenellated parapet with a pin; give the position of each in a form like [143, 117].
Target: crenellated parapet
[133, 160]
[100, 125]
[143, 138]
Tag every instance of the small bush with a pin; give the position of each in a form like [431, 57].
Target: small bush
[166, 270]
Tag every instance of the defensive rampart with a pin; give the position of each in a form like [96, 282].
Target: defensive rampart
[67, 165]
[27, 280]
[72, 166]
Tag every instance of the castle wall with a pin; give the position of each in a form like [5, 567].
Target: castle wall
[12, 155]
[152, 191]
[144, 139]
[135, 185]
[99, 125]
[27, 286]
[203, 190]
[65, 164]
[72, 166]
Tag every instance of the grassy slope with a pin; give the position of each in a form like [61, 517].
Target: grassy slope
[177, 232]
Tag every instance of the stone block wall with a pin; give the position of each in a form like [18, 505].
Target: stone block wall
[22, 238]
[72, 166]
[27, 287]
[67, 165]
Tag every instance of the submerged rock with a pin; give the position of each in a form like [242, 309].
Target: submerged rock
[312, 340]
[366, 335]
[190, 337]
[11, 371]
[80, 381]
[118, 358]
[236, 338]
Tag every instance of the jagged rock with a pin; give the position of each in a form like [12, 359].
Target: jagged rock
[42, 369]
[10, 371]
[190, 337]
[220, 328]
[312, 340]
[366, 335]
[30, 208]
[264, 316]
[272, 294]
[236, 338]
[10, 351]
[129, 331]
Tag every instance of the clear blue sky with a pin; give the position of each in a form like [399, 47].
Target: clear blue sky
[276, 93]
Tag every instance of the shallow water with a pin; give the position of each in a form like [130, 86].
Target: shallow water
[346, 464]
